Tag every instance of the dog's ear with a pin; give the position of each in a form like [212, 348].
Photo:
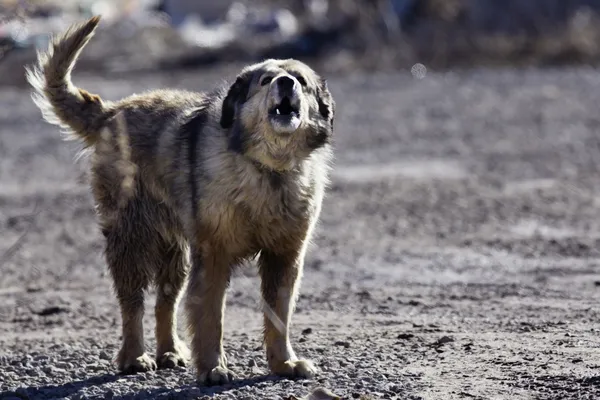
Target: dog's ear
[237, 94]
[326, 102]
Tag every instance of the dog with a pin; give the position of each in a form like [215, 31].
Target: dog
[216, 178]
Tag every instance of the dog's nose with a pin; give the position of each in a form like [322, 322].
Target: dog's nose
[285, 85]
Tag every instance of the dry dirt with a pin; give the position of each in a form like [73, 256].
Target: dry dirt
[457, 255]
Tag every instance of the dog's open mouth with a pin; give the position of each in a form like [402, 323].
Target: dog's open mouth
[285, 116]
[285, 109]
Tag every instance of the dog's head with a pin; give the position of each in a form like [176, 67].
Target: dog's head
[278, 112]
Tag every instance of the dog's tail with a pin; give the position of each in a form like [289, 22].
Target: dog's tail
[80, 113]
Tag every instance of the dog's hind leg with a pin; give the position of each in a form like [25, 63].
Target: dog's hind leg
[130, 268]
[170, 350]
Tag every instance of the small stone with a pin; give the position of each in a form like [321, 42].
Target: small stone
[105, 356]
[307, 331]
[443, 340]
[256, 370]
[26, 360]
[52, 311]
[342, 344]
[64, 365]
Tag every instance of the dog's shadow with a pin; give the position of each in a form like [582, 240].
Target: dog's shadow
[192, 390]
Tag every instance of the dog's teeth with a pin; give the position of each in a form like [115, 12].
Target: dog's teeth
[277, 111]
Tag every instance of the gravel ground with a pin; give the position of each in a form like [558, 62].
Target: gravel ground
[457, 255]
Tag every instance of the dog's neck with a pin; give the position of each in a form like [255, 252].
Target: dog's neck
[270, 169]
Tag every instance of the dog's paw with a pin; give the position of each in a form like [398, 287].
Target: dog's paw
[171, 360]
[178, 357]
[143, 363]
[304, 369]
[216, 376]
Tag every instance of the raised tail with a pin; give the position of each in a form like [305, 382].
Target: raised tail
[82, 114]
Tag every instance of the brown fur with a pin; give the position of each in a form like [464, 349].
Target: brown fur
[187, 185]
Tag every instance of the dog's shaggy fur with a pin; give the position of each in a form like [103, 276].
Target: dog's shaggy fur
[215, 178]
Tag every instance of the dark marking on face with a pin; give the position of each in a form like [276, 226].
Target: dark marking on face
[326, 102]
[236, 95]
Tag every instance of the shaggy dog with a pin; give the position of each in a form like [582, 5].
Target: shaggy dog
[213, 179]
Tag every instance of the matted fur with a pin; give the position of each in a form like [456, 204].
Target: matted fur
[189, 184]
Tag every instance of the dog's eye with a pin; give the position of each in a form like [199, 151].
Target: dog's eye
[266, 80]
[301, 80]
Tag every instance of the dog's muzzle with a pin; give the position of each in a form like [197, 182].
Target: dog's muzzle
[284, 104]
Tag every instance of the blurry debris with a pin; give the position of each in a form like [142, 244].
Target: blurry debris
[332, 35]
[317, 8]
[404, 10]
[209, 11]
[194, 32]
[280, 22]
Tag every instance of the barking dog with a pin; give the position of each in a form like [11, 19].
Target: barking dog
[219, 178]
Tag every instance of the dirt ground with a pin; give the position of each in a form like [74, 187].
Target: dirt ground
[457, 255]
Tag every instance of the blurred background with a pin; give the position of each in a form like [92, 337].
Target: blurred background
[336, 35]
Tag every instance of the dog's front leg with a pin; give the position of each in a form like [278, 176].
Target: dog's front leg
[281, 273]
[205, 306]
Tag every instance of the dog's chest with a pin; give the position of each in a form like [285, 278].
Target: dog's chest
[259, 212]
